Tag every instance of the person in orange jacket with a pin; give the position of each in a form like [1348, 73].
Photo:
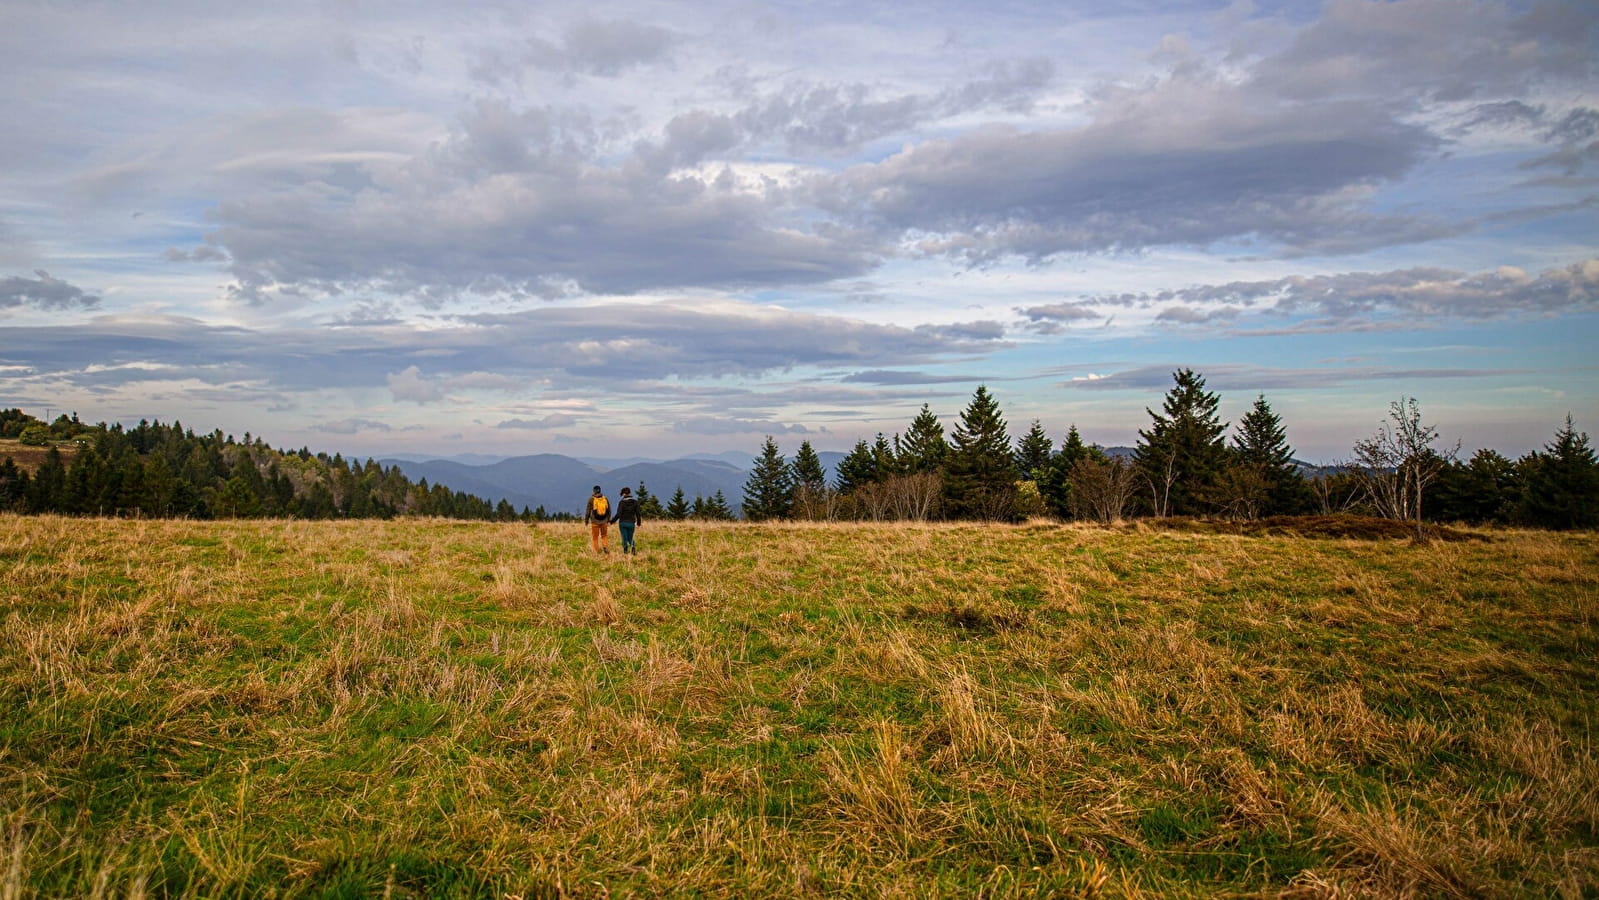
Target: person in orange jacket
[597, 516]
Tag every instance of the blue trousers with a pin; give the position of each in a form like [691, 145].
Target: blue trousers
[627, 536]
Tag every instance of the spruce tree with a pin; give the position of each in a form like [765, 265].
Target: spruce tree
[1033, 452]
[1055, 482]
[858, 467]
[716, 508]
[1561, 484]
[980, 475]
[808, 472]
[1261, 443]
[677, 509]
[769, 492]
[1182, 453]
[924, 448]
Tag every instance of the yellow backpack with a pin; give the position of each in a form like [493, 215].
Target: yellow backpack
[601, 506]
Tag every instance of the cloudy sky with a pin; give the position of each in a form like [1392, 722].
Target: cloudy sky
[654, 228]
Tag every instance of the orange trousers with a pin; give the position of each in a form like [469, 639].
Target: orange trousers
[599, 537]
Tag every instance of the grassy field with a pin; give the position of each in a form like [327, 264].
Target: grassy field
[430, 708]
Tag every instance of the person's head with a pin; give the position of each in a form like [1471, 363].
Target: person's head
[627, 492]
[597, 490]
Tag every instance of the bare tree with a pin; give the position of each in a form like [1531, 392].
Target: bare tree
[1100, 490]
[1396, 464]
[1241, 490]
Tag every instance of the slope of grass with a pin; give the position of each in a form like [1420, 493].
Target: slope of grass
[431, 708]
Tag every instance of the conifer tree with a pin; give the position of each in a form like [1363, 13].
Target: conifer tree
[1033, 452]
[1261, 443]
[1182, 453]
[677, 509]
[980, 474]
[924, 448]
[857, 468]
[1055, 483]
[808, 472]
[769, 492]
[1561, 484]
[716, 508]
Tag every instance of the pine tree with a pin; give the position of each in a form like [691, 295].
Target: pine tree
[888, 462]
[1033, 452]
[980, 474]
[808, 472]
[769, 492]
[1561, 484]
[1182, 453]
[1261, 443]
[649, 505]
[924, 448]
[857, 468]
[1055, 483]
[677, 509]
[716, 508]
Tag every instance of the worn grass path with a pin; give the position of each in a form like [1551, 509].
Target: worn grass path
[430, 708]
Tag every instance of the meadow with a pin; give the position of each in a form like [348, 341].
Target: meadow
[432, 708]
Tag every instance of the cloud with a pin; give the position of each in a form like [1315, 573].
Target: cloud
[410, 385]
[553, 420]
[44, 292]
[606, 344]
[1052, 318]
[1248, 378]
[353, 425]
[601, 48]
[715, 425]
[1415, 297]
[1192, 160]
[889, 377]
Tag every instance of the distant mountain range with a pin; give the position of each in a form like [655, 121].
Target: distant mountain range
[562, 483]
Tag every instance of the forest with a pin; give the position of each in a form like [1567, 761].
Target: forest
[1184, 464]
[1187, 462]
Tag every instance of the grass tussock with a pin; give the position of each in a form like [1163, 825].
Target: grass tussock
[427, 708]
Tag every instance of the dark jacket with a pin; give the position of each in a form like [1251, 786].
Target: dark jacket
[627, 510]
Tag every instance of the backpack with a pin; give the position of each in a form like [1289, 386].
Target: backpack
[601, 506]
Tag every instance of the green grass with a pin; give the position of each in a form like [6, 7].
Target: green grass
[430, 708]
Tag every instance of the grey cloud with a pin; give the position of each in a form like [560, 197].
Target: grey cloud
[1191, 161]
[1187, 315]
[890, 377]
[44, 292]
[1247, 378]
[353, 425]
[1434, 51]
[512, 203]
[202, 253]
[616, 342]
[714, 425]
[601, 48]
[553, 420]
[1416, 296]
[1052, 318]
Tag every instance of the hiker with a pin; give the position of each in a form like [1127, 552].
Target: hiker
[597, 515]
[627, 517]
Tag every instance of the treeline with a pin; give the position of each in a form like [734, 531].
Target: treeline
[167, 471]
[1185, 464]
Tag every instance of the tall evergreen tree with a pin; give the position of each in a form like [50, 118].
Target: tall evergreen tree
[980, 474]
[1561, 484]
[1182, 453]
[716, 508]
[857, 468]
[1055, 482]
[677, 508]
[808, 471]
[769, 492]
[924, 448]
[649, 505]
[1033, 452]
[1261, 443]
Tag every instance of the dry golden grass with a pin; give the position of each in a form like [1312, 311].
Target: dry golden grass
[421, 708]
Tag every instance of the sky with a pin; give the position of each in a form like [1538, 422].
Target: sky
[652, 228]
